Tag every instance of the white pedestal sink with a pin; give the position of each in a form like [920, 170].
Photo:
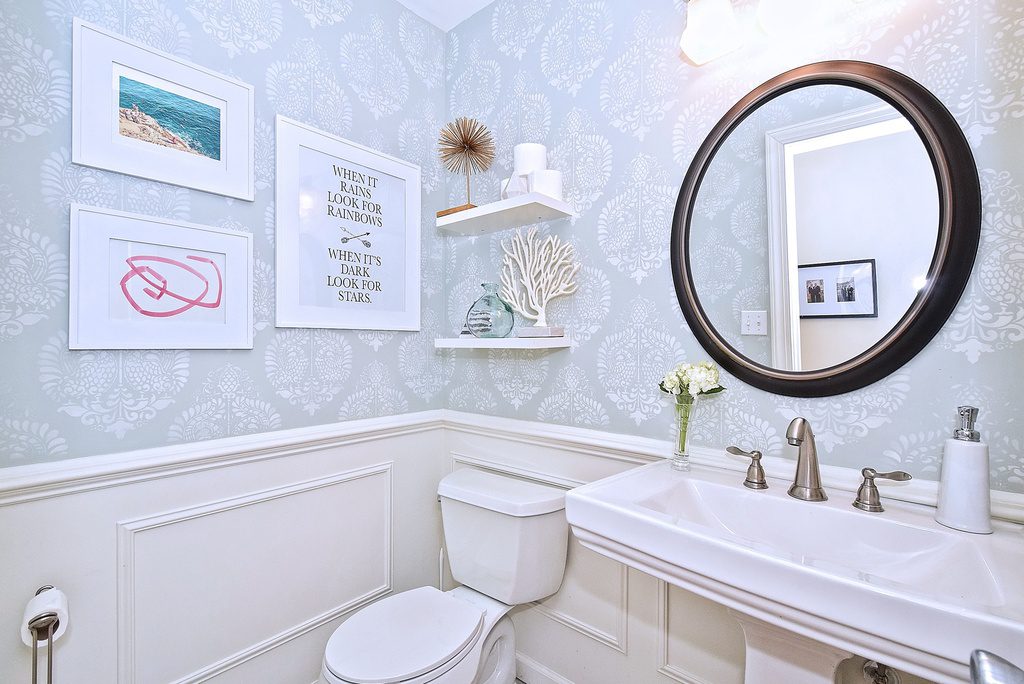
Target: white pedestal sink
[812, 583]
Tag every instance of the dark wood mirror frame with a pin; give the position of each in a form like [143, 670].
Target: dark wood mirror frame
[956, 247]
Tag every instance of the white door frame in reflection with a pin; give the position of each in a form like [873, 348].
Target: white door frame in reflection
[781, 146]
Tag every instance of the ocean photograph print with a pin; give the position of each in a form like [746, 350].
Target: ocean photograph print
[145, 113]
[164, 118]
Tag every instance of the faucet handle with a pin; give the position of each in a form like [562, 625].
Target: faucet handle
[755, 473]
[867, 493]
[897, 475]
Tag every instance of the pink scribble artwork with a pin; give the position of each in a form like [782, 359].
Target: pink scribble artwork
[175, 280]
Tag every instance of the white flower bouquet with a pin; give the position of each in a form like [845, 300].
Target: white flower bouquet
[690, 380]
[685, 383]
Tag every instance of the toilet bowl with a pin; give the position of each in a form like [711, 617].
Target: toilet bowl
[507, 542]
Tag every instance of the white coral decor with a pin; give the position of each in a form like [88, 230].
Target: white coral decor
[688, 380]
[535, 271]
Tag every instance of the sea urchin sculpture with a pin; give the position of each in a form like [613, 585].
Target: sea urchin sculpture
[465, 146]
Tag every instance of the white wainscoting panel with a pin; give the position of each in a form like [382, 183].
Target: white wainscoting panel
[700, 642]
[530, 671]
[231, 560]
[593, 599]
[253, 555]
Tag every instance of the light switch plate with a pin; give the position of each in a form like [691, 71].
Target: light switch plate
[753, 322]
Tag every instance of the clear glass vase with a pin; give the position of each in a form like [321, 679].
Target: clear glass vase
[680, 428]
[490, 316]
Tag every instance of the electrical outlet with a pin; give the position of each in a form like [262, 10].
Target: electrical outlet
[753, 322]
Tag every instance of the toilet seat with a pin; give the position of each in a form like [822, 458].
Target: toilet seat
[411, 637]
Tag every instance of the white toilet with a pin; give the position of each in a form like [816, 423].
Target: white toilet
[506, 543]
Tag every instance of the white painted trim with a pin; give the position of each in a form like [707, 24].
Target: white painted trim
[664, 667]
[784, 318]
[640, 450]
[615, 641]
[532, 672]
[611, 445]
[43, 480]
[258, 649]
[126, 531]
[515, 471]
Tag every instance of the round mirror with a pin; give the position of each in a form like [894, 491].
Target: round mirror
[826, 229]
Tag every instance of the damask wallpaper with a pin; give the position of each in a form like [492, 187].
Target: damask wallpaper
[370, 71]
[603, 85]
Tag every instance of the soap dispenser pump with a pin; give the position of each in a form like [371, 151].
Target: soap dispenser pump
[964, 491]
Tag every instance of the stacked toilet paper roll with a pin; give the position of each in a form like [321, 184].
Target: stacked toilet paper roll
[530, 173]
[527, 157]
[48, 601]
[546, 182]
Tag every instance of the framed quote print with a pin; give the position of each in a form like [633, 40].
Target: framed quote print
[348, 234]
[141, 282]
[146, 113]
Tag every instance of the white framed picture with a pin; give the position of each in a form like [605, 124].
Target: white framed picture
[141, 282]
[143, 112]
[348, 234]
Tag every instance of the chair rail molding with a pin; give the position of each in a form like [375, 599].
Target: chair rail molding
[41, 480]
[641, 450]
[20, 484]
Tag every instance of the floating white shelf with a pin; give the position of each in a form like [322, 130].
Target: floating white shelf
[503, 342]
[523, 210]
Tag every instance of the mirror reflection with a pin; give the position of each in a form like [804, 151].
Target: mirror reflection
[814, 228]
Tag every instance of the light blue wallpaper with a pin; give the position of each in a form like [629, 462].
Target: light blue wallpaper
[370, 71]
[603, 85]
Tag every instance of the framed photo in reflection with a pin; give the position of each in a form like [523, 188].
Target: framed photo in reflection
[838, 289]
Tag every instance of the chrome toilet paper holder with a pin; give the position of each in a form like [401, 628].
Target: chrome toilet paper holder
[42, 627]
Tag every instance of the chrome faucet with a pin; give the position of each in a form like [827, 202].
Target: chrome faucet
[807, 481]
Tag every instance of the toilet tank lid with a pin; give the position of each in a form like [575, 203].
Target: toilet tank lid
[500, 493]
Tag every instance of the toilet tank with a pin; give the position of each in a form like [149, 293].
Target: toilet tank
[505, 537]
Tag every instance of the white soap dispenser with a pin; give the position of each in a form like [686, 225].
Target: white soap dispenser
[964, 497]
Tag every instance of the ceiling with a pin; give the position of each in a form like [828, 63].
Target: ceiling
[446, 14]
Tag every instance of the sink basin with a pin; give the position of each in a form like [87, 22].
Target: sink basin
[894, 586]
